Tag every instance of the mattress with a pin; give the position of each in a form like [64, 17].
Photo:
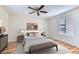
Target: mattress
[35, 43]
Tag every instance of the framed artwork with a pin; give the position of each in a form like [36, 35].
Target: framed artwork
[32, 26]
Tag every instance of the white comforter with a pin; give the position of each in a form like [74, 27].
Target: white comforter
[29, 41]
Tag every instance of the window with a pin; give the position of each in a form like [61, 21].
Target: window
[62, 26]
[66, 26]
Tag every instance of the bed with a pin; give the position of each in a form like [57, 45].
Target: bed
[37, 43]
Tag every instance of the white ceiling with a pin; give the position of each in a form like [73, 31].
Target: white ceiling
[51, 9]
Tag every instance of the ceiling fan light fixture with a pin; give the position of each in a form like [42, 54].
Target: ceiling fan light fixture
[37, 10]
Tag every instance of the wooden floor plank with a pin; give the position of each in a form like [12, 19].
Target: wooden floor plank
[73, 49]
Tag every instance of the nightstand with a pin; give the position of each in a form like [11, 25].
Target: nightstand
[20, 39]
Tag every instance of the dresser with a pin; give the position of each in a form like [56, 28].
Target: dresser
[3, 42]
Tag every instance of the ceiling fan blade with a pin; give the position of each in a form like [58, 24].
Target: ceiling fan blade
[43, 11]
[31, 12]
[41, 7]
[31, 8]
[38, 13]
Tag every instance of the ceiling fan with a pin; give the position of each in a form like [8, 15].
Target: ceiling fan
[38, 10]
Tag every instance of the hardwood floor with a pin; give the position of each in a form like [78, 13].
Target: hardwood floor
[12, 47]
[73, 49]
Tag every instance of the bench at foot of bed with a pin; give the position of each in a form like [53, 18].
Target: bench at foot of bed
[42, 46]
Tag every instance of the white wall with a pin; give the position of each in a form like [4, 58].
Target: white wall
[53, 27]
[0, 22]
[4, 17]
[18, 22]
